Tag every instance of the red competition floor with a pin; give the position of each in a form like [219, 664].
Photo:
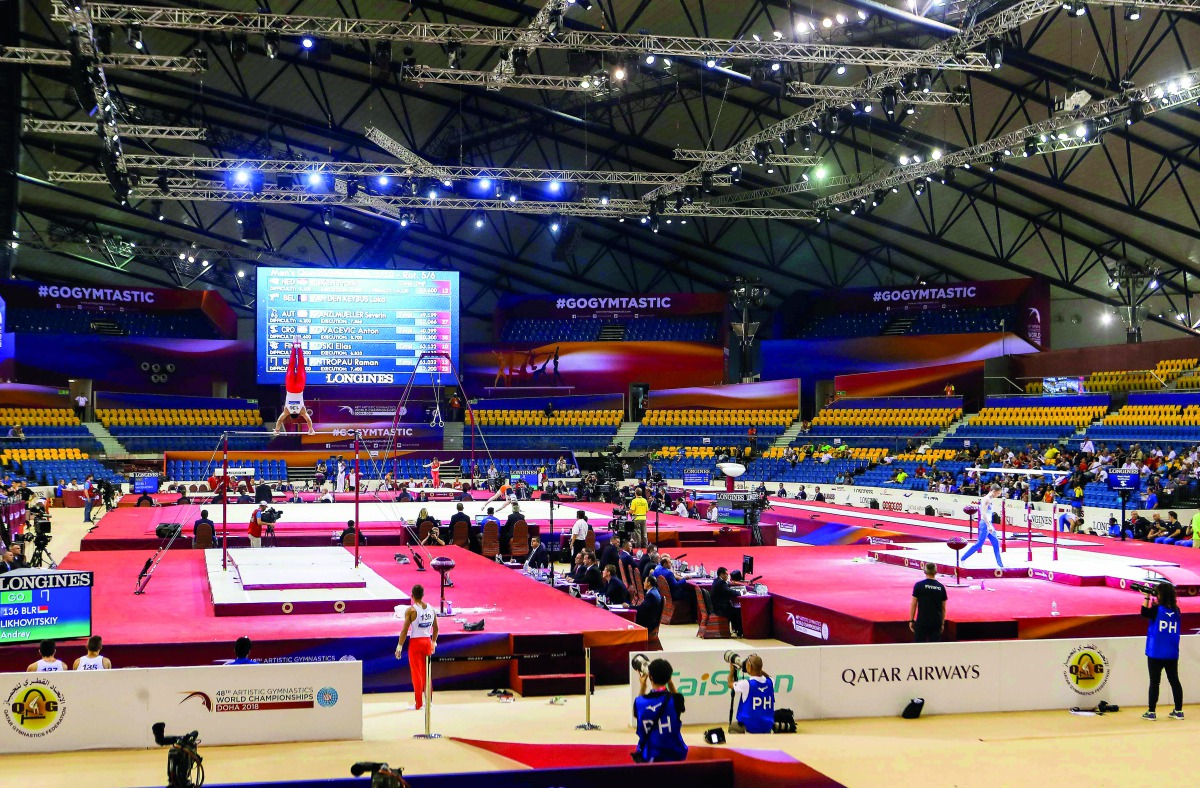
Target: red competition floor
[866, 602]
[173, 622]
[132, 528]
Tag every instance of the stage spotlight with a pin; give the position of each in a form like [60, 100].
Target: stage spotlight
[840, 68]
[485, 184]
[904, 160]
[404, 220]
[679, 201]
[479, 221]
[1153, 285]
[775, 66]
[654, 225]
[1031, 146]
[1080, 9]
[840, 19]
[1132, 13]
[326, 216]
[935, 154]
[315, 179]
[1137, 112]
[513, 193]
[308, 42]
[995, 52]
[555, 224]
[826, 23]
[382, 181]
[997, 160]
[133, 37]
[555, 186]
[706, 181]
[157, 209]
[432, 191]
[711, 62]
[757, 76]
[947, 174]
[351, 188]
[925, 81]
[238, 46]
[1086, 130]
[659, 205]
[586, 5]
[241, 274]
[862, 16]
[244, 178]
[381, 58]
[605, 194]
[619, 73]
[454, 53]
[271, 45]
[650, 60]
[806, 139]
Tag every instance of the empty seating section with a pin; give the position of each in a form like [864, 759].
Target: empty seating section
[1026, 419]
[508, 466]
[714, 428]
[183, 429]
[191, 325]
[222, 417]
[664, 329]
[583, 329]
[38, 417]
[1170, 420]
[589, 329]
[844, 326]
[51, 471]
[1163, 374]
[20, 455]
[881, 427]
[581, 430]
[200, 471]
[928, 321]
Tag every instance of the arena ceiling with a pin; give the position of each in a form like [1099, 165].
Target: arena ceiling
[1125, 198]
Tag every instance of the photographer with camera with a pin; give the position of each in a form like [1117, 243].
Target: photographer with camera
[1162, 644]
[755, 694]
[659, 709]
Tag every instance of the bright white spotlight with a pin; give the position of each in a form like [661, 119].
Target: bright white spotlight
[649, 60]
[826, 23]
[841, 19]
[307, 42]
[382, 180]
[241, 177]
[619, 74]
[555, 186]
[935, 154]
[485, 184]
[433, 193]
[315, 179]
[241, 274]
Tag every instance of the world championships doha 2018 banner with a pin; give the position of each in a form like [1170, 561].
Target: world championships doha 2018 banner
[824, 682]
[243, 704]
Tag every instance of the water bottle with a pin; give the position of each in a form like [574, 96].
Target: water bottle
[449, 608]
[1054, 608]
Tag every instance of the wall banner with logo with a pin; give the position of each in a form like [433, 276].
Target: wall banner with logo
[826, 682]
[246, 704]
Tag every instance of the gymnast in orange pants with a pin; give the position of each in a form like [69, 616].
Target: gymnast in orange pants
[421, 631]
[294, 411]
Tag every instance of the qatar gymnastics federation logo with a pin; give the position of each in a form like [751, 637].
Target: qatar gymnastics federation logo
[35, 709]
[1086, 670]
[326, 697]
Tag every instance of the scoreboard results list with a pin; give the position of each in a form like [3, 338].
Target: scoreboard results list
[357, 327]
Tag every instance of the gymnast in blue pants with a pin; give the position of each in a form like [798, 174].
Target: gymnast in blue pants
[986, 532]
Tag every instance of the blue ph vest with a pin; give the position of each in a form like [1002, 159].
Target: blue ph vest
[1162, 637]
[756, 712]
[660, 734]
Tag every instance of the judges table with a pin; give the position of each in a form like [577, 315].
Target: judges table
[73, 499]
[756, 611]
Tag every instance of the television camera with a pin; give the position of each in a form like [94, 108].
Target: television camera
[382, 775]
[185, 767]
[640, 663]
[40, 536]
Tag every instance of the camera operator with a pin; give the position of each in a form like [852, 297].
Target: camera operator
[659, 710]
[755, 695]
[255, 530]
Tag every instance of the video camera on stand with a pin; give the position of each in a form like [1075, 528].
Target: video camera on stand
[382, 775]
[182, 759]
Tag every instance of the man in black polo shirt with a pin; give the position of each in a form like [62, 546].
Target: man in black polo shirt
[927, 614]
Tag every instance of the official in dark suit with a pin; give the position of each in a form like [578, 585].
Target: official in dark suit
[626, 555]
[611, 552]
[614, 589]
[723, 601]
[263, 492]
[506, 530]
[649, 561]
[591, 572]
[539, 556]
[649, 611]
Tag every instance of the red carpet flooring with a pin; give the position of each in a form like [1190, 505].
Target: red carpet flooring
[867, 602]
[173, 622]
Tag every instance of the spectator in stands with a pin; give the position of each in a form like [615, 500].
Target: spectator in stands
[241, 652]
[560, 467]
[539, 556]
[1087, 447]
[949, 390]
[81, 403]
[1173, 530]
[48, 663]
[613, 588]
[548, 411]
[93, 660]
[17, 432]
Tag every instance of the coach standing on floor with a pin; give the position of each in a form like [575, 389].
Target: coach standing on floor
[927, 613]
[1162, 646]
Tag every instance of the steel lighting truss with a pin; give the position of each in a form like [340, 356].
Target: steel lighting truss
[543, 25]
[210, 191]
[1051, 134]
[953, 47]
[360, 169]
[706, 156]
[40, 126]
[848, 93]
[808, 185]
[134, 61]
[493, 81]
[405, 155]
[509, 37]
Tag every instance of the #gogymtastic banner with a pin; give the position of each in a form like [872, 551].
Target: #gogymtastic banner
[375, 436]
[589, 367]
[37, 295]
[612, 305]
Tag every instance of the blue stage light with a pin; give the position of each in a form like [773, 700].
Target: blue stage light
[307, 42]
[315, 180]
[241, 177]
[555, 186]
[382, 180]
[485, 184]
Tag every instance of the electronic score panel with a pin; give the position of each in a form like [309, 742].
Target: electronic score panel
[37, 604]
[357, 327]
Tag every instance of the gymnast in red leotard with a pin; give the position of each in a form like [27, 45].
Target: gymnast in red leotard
[294, 411]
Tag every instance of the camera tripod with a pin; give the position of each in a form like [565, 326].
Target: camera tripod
[40, 553]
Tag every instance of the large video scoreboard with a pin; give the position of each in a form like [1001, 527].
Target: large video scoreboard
[357, 327]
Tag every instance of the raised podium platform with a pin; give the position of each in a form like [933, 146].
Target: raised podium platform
[273, 580]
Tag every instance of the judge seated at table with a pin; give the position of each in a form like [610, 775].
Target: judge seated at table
[678, 586]
[539, 557]
[649, 611]
[614, 589]
[724, 600]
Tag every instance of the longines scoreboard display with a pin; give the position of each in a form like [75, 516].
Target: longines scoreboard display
[38, 604]
[357, 327]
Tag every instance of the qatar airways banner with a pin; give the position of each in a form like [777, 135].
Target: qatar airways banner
[612, 305]
[36, 295]
[967, 677]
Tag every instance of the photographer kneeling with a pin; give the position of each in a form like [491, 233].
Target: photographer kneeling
[659, 711]
[755, 695]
